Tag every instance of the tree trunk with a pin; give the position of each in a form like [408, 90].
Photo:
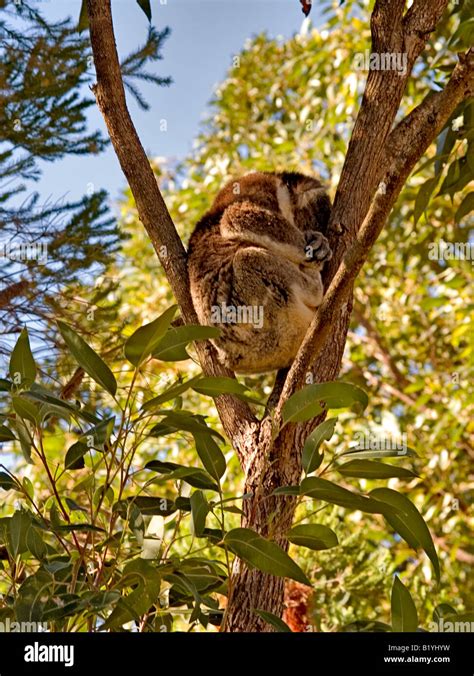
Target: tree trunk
[274, 464]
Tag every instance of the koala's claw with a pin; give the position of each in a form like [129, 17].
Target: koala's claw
[317, 247]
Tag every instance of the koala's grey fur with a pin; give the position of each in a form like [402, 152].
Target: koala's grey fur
[260, 246]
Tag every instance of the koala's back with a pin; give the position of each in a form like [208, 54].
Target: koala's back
[249, 276]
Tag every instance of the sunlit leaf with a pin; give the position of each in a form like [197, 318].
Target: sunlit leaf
[210, 454]
[273, 620]
[313, 399]
[262, 554]
[172, 346]
[312, 536]
[88, 359]
[404, 615]
[366, 469]
[144, 340]
[22, 364]
[408, 523]
[311, 457]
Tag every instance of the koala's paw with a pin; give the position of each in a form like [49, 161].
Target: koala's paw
[317, 247]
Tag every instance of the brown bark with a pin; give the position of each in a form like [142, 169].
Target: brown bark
[376, 151]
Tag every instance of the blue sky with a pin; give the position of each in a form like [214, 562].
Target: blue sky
[205, 35]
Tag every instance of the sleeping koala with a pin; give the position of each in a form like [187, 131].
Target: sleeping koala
[254, 263]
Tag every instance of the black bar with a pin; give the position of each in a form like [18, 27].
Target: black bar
[140, 654]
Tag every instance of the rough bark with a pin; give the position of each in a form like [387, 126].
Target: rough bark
[377, 153]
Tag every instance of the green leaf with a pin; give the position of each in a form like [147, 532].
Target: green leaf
[42, 395]
[262, 554]
[194, 476]
[313, 536]
[322, 489]
[172, 346]
[287, 490]
[312, 458]
[88, 359]
[423, 197]
[26, 409]
[74, 506]
[404, 615]
[273, 620]
[85, 527]
[366, 469]
[313, 399]
[146, 582]
[199, 512]
[28, 487]
[442, 611]
[171, 393]
[99, 435]
[210, 454]
[146, 7]
[25, 439]
[144, 340]
[75, 456]
[7, 482]
[22, 368]
[408, 523]
[83, 23]
[152, 506]
[18, 527]
[204, 575]
[183, 421]
[465, 208]
[6, 434]
[34, 543]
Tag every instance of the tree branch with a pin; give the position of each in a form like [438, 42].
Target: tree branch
[110, 96]
[405, 145]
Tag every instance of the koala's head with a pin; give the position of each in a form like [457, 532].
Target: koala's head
[304, 201]
[300, 199]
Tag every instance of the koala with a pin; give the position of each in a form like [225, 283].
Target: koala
[254, 263]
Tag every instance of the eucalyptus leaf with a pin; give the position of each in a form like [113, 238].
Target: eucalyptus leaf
[311, 457]
[88, 359]
[75, 456]
[322, 489]
[199, 512]
[314, 399]
[172, 346]
[367, 469]
[145, 340]
[407, 521]
[22, 368]
[6, 434]
[404, 615]
[210, 454]
[313, 536]
[263, 554]
[273, 620]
